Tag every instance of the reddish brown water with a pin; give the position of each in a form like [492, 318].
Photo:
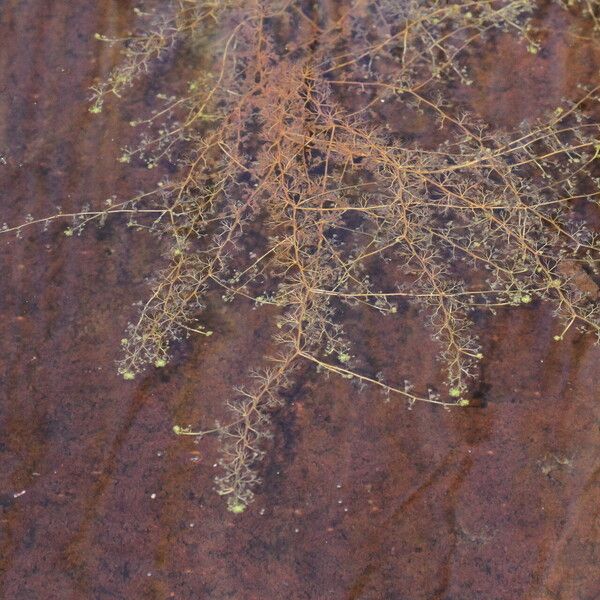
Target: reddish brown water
[361, 499]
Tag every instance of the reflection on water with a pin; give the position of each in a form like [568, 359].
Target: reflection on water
[361, 499]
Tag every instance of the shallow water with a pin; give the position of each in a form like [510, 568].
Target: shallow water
[361, 499]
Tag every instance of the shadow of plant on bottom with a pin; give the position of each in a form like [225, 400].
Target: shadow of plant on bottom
[283, 134]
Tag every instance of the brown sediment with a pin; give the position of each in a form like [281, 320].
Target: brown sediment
[362, 498]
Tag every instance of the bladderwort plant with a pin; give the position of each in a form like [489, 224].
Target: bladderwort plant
[281, 132]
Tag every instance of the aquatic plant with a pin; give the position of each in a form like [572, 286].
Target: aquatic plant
[285, 138]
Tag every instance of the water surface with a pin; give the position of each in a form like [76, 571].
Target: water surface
[362, 499]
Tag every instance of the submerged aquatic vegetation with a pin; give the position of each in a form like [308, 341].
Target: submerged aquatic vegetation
[281, 133]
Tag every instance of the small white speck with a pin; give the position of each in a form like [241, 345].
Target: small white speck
[296, 530]
[192, 525]
[149, 574]
[152, 496]
[18, 494]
